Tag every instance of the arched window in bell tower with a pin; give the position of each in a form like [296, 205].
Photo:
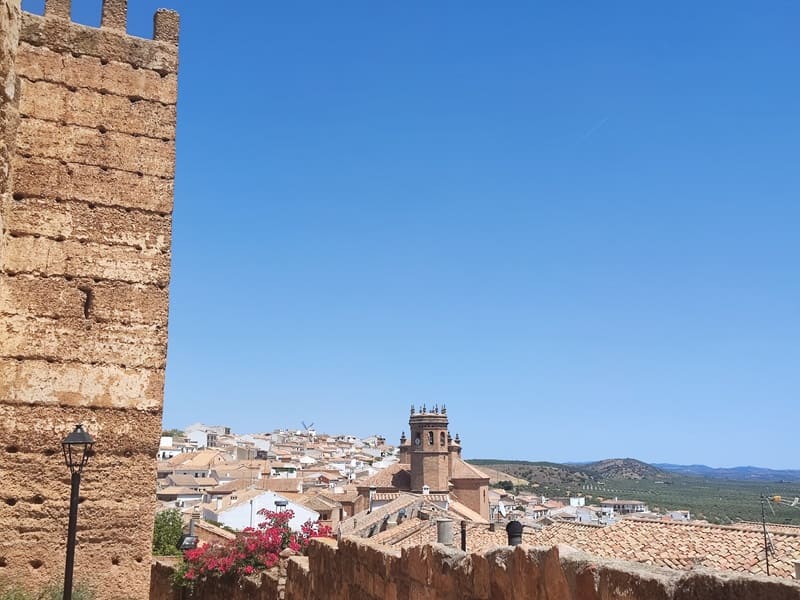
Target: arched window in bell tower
[430, 438]
[441, 438]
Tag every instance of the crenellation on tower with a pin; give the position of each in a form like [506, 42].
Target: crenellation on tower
[166, 26]
[114, 15]
[61, 9]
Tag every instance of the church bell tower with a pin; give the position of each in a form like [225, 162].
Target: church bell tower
[429, 450]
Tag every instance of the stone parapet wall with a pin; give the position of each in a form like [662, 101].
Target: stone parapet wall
[358, 570]
[87, 160]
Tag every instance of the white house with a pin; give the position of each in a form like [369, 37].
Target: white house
[625, 507]
[181, 496]
[679, 515]
[199, 437]
[240, 510]
[167, 448]
[259, 441]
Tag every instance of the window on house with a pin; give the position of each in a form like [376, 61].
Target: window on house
[441, 438]
[430, 438]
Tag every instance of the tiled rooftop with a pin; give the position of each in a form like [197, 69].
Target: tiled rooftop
[674, 545]
[365, 522]
[397, 476]
[464, 470]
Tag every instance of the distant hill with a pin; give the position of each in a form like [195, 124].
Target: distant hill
[624, 468]
[734, 473]
[548, 474]
[496, 476]
[538, 473]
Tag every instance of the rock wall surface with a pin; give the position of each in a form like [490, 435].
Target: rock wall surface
[87, 155]
[357, 570]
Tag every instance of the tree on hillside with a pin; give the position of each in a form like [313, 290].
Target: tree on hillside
[173, 433]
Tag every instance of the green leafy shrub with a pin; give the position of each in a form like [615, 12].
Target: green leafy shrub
[167, 533]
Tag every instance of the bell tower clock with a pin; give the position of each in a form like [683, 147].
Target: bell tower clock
[429, 450]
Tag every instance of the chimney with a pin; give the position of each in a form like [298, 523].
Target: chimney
[514, 531]
[194, 518]
[444, 531]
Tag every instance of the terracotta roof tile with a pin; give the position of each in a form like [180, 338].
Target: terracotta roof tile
[280, 484]
[396, 476]
[668, 544]
[464, 470]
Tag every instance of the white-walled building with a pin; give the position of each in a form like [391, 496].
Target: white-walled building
[240, 510]
[625, 507]
[199, 437]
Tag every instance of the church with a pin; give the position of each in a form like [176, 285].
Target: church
[430, 465]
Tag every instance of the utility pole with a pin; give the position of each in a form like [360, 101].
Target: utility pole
[764, 526]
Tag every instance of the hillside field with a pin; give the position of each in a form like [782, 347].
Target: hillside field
[713, 499]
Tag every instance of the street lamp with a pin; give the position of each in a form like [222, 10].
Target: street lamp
[77, 447]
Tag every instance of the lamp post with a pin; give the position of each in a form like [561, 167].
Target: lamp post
[77, 447]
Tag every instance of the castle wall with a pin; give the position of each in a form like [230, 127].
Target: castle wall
[355, 569]
[84, 274]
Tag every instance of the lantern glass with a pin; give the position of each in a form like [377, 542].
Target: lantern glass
[77, 447]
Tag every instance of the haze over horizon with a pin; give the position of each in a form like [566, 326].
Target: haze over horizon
[575, 225]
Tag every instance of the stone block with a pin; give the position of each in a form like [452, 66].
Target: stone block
[40, 429]
[47, 257]
[130, 303]
[50, 178]
[74, 384]
[71, 143]
[39, 63]
[632, 581]
[63, 36]
[40, 297]
[704, 583]
[88, 108]
[85, 222]
[547, 573]
[57, 298]
[85, 341]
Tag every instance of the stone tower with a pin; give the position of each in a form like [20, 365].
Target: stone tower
[429, 450]
[87, 157]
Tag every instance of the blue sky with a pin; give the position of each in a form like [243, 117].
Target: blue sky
[573, 223]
